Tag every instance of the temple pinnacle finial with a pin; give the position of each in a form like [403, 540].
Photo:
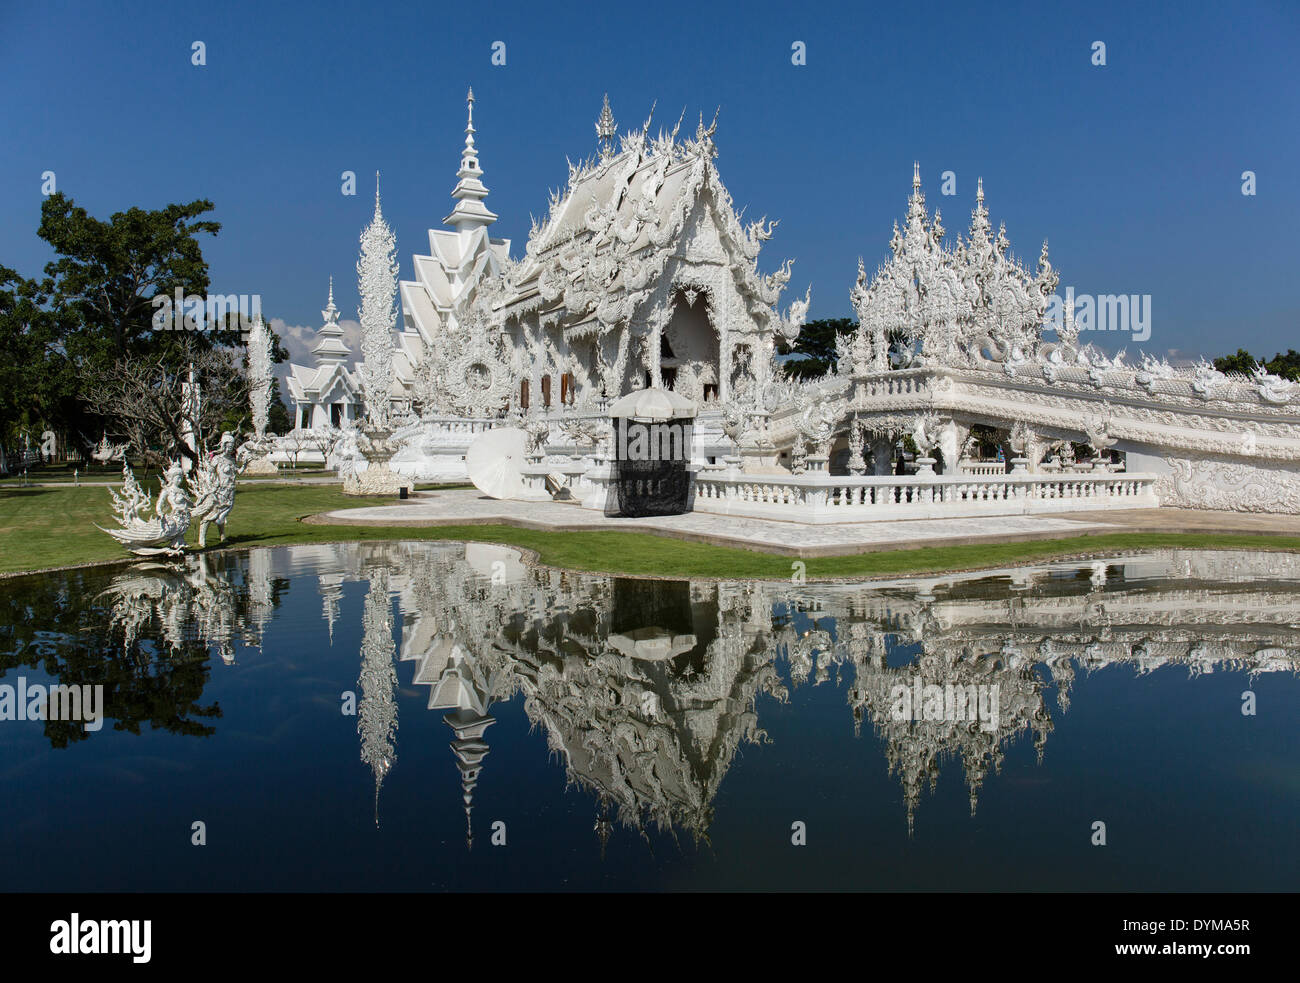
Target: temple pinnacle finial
[979, 191]
[470, 212]
[605, 130]
[376, 192]
[916, 175]
[329, 348]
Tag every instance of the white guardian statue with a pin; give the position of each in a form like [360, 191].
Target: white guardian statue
[214, 489]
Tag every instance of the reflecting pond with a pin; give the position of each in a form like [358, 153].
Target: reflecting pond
[425, 716]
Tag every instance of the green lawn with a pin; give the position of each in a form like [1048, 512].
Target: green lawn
[97, 472]
[51, 527]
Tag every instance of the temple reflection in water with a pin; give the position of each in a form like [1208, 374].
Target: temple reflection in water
[646, 689]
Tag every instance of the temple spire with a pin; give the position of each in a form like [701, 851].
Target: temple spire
[469, 128]
[469, 749]
[916, 217]
[605, 130]
[470, 213]
[330, 349]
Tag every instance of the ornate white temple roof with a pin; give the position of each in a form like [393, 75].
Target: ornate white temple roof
[600, 252]
[313, 385]
[318, 383]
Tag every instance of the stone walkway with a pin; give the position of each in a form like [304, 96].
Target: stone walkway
[1200, 520]
[470, 507]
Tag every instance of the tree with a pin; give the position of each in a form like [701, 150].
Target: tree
[1242, 362]
[107, 273]
[281, 419]
[816, 346]
[36, 390]
[1287, 366]
[94, 311]
[146, 397]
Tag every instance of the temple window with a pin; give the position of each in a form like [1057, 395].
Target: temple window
[546, 391]
[523, 394]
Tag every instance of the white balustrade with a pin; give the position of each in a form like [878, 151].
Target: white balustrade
[982, 467]
[825, 498]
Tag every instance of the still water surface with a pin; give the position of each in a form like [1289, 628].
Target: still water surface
[372, 716]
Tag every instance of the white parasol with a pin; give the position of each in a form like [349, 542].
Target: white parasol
[494, 461]
[652, 406]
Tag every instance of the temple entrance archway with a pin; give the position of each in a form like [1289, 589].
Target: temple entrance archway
[689, 348]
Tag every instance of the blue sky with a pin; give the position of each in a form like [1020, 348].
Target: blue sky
[1132, 170]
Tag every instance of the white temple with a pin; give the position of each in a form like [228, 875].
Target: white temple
[327, 393]
[640, 275]
[643, 276]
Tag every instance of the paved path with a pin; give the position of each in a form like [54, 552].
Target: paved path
[470, 507]
[1199, 520]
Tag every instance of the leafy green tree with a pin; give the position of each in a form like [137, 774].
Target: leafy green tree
[1287, 366]
[107, 273]
[99, 320]
[280, 419]
[1242, 362]
[36, 389]
[815, 347]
